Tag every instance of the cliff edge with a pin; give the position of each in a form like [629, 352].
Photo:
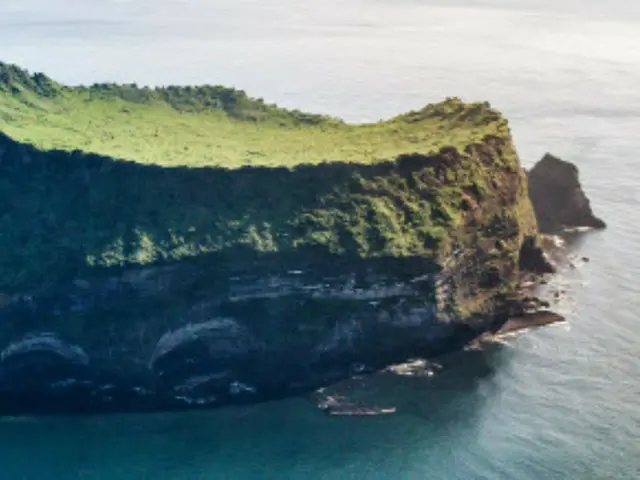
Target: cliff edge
[206, 279]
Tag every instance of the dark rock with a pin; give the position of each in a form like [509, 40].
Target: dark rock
[5, 300]
[530, 320]
[533, 258]
[248, 336]
[558, 198]
[490, 278]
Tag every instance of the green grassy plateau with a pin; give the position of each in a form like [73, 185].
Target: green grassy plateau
[206, 126]
[85, 183]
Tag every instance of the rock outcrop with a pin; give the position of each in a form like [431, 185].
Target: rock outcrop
[558, 198]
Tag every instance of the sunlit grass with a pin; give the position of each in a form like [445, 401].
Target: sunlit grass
[150, 127]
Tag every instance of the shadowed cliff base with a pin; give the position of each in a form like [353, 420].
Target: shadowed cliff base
[262, 337]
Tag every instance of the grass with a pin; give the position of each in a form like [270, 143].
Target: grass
[245, 176]
[217, 126]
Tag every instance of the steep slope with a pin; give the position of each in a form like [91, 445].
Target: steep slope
[132, 285]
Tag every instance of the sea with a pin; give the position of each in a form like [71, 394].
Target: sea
[560, 402]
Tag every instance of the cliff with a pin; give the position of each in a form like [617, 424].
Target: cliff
[128, 284]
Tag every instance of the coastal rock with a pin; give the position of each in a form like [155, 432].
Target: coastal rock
[533, 257]
[558, 198]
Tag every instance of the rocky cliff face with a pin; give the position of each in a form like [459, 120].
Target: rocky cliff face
[308, 276]
[558, 198]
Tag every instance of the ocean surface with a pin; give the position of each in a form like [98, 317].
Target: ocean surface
[557, 403]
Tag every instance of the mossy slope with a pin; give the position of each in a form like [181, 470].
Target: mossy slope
[354, 190]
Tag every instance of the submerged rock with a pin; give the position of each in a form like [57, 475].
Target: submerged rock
[558, 198]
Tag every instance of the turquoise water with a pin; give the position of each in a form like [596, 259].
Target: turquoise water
[560, 402]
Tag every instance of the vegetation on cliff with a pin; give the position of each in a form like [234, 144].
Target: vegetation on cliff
[218, 126]
[85, 183]
[558, 198]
